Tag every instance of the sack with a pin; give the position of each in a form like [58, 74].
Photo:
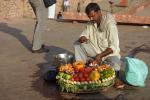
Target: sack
[136, 71]
[49, 73]
[49, 2]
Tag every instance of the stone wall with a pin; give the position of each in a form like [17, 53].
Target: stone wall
[15, 8]
[11, 8]
[21, 8]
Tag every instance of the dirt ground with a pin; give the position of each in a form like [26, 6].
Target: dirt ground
[20, 69]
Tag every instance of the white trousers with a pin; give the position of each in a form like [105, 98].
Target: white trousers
[41, 13]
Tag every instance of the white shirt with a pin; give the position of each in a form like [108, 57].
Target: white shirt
[66, 2]
[104, 36]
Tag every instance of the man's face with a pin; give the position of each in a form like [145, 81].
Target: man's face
[95, 16]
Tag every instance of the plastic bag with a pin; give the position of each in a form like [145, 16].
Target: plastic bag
[136, 71]
[49, 73]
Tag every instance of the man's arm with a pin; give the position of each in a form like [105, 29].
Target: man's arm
[84, 35]
[113, 42]
[99, 57]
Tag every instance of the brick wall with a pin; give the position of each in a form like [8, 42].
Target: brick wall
[15, 8]
[20, 8]
[10, 8]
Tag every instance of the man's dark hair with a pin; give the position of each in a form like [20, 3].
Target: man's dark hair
[92, 7]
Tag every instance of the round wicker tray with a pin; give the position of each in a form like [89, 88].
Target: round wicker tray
[98, 89]
[101, 87]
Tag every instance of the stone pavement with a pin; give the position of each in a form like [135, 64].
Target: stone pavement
[20, 69]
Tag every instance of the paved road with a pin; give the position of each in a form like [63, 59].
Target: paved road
[20, 69]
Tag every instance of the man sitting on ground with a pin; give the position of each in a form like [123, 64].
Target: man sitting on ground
[99, 41]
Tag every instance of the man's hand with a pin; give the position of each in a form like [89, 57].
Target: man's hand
[98, 59]
[82, 39]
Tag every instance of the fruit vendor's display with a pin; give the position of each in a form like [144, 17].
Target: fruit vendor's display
[78, 78]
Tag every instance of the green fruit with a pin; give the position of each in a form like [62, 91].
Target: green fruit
[85, 87]
[61, 75]
[67, 76]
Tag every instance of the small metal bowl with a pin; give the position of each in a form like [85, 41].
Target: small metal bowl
[64, 58]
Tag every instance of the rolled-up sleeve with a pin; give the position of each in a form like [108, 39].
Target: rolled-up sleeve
[85, 32]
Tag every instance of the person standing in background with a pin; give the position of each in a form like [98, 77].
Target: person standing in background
[41, 13]
[66, 5]
[59, 16]
[79, 7]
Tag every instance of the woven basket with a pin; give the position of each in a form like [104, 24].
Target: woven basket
[83, 88]
[105, 85]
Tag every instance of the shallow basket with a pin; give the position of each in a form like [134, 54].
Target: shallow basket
[83, 88]
[104, 86]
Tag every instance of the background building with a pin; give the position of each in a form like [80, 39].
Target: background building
[21, 8]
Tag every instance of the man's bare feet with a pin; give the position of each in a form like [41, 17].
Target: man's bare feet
[119, 84]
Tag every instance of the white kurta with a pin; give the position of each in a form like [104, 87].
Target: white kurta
[100, 38]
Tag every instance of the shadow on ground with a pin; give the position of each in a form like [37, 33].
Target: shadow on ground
[142, 48]
[47, 89]
[15, 33]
